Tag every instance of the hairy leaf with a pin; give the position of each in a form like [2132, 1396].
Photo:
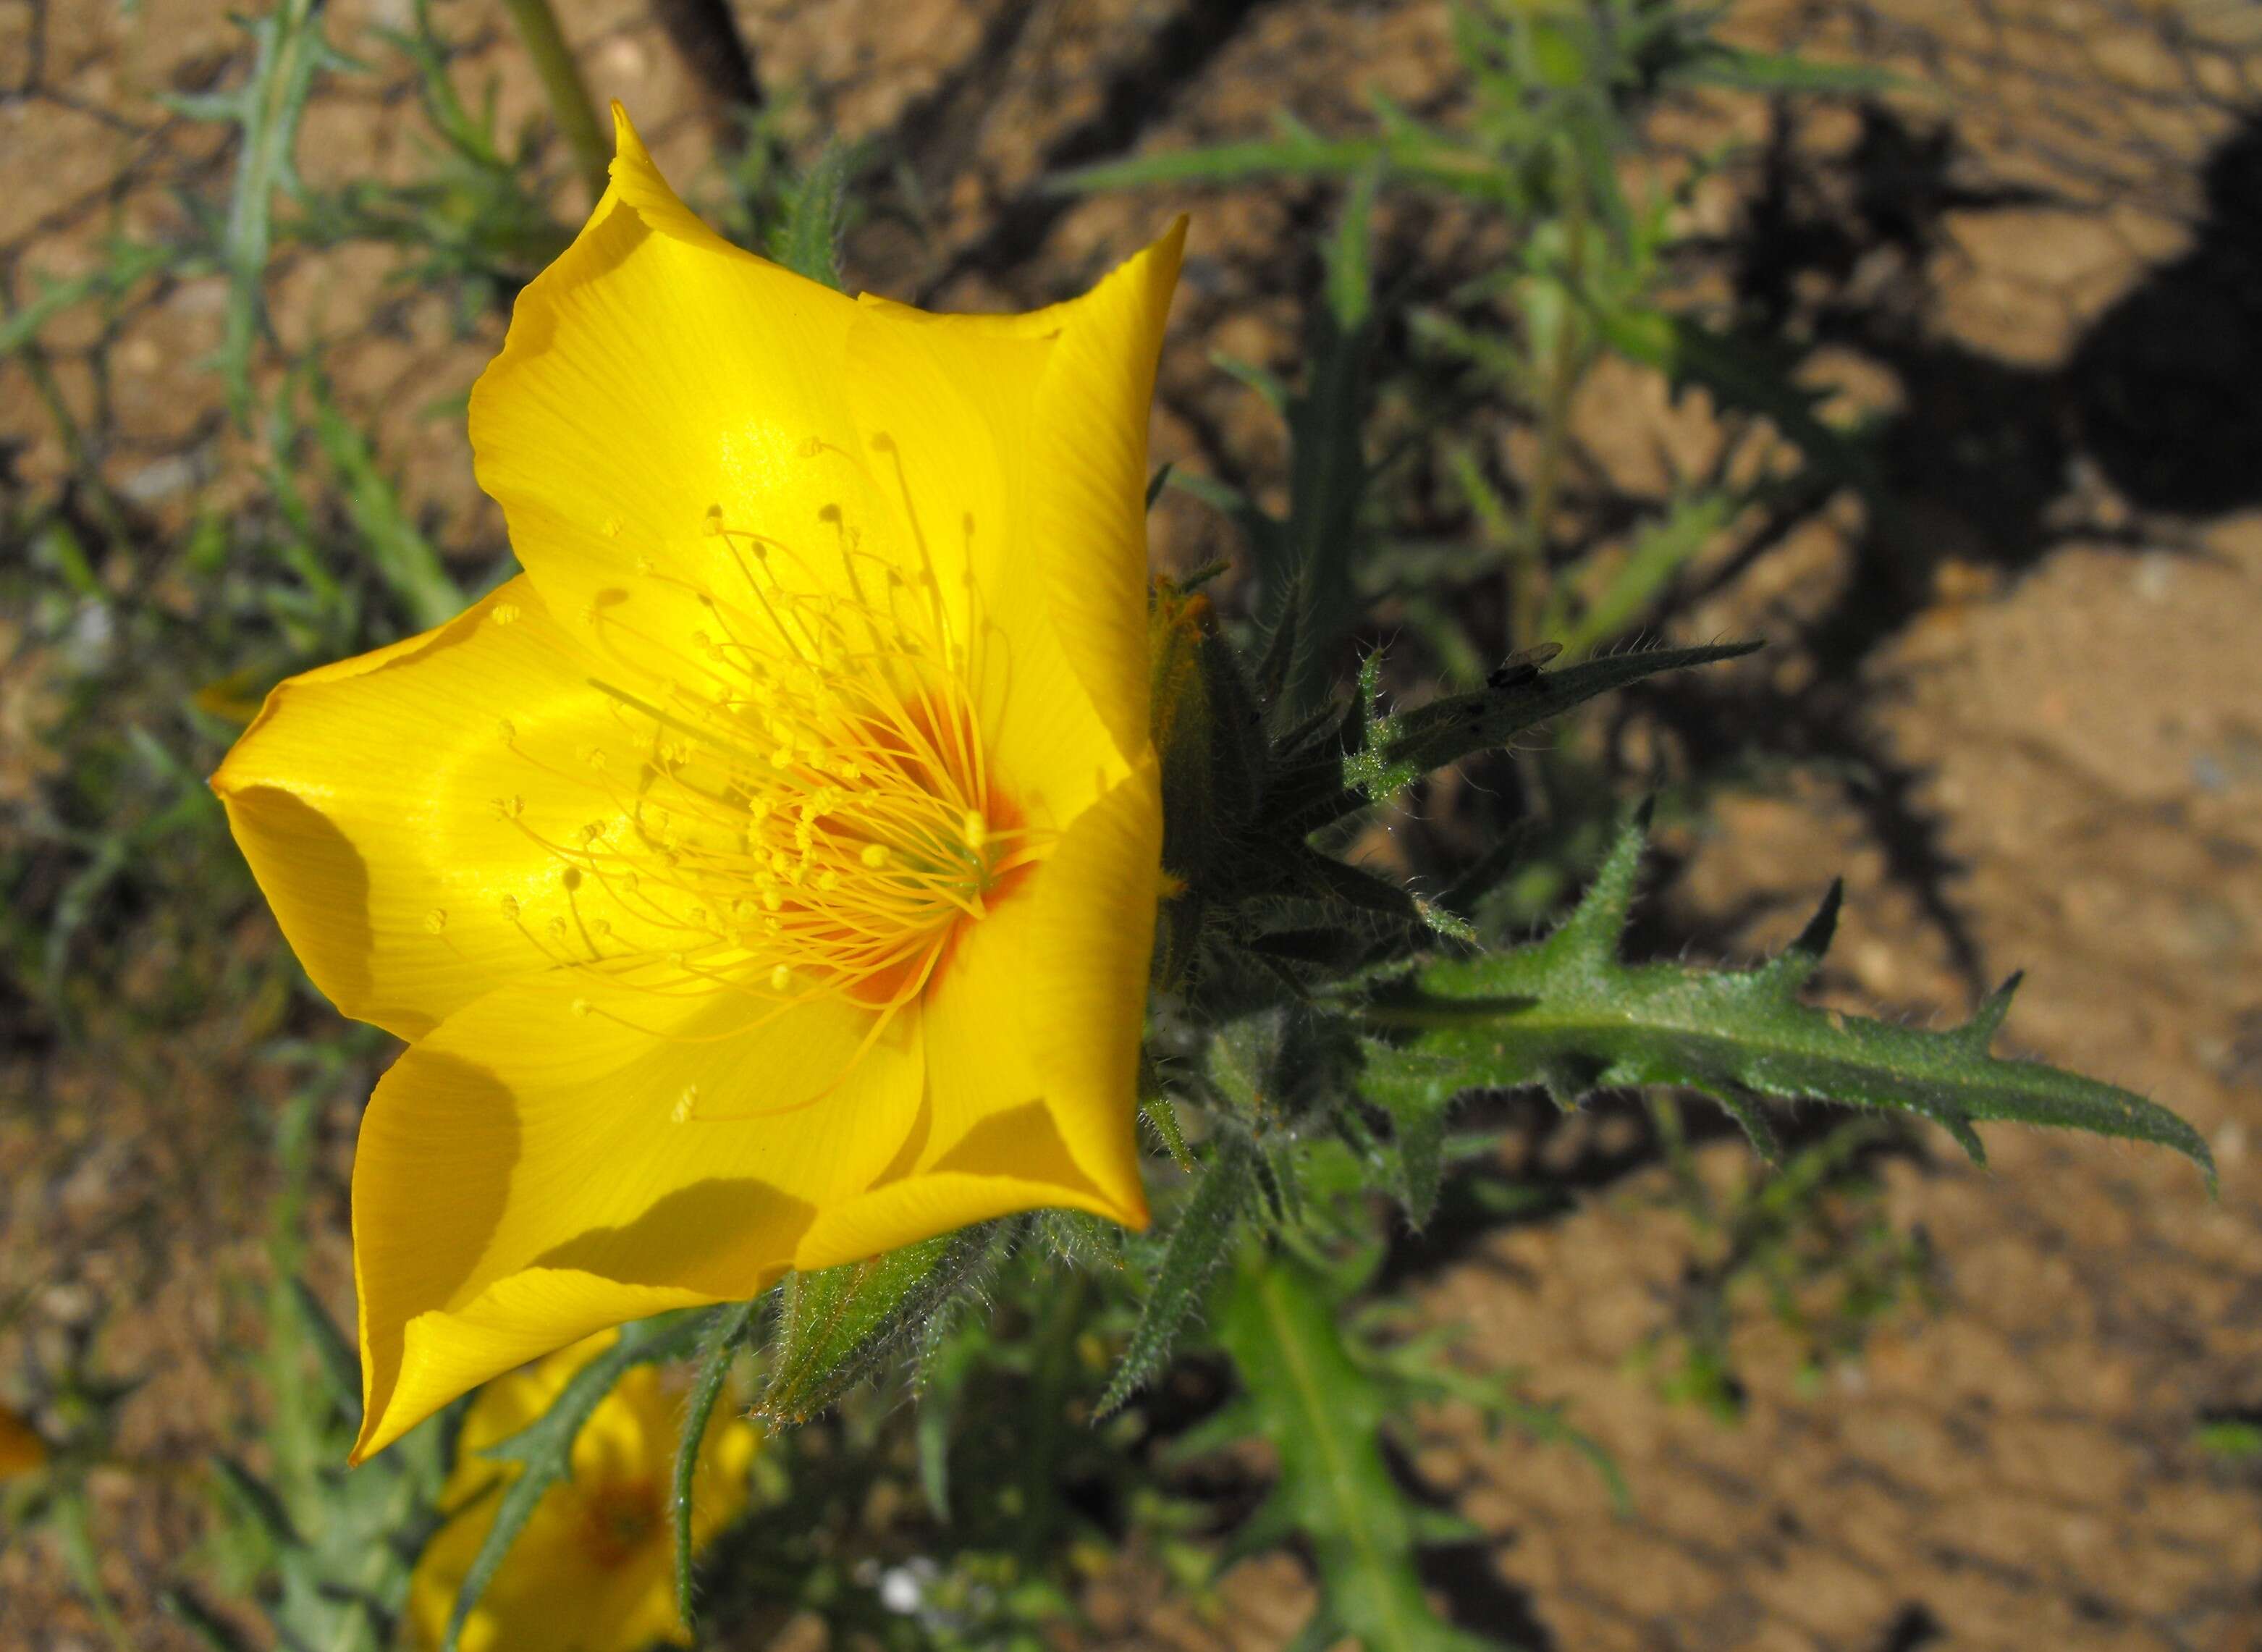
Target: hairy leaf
[836, 1326]
[1565, 1013]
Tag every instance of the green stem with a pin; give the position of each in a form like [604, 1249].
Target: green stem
[1056, 1354]
[567, 91]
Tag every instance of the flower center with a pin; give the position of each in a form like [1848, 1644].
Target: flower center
[811, 809]
[617, 1519]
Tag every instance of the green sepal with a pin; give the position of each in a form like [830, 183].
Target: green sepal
[1207, 732]
[837, 1325]
[1200, 1243]
[1565, 1014]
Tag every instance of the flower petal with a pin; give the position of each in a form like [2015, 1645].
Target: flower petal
[533, 1170]
[991, 1139]
[1090, 505]
[388, 813]
[1086, 998]
[649, 373]
[951, 402]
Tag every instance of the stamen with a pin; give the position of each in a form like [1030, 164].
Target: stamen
[799, 804]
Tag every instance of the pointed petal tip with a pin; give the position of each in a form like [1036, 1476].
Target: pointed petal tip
[628, 145]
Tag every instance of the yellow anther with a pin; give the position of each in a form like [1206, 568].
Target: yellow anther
[781, 978]
[505, 613]
[507, 729]
[582, 1007]
[874, 855]
[711, 525]
[509, 905]
[511, 807]
[435, 922]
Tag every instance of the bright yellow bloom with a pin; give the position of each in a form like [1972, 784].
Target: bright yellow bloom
[766, 878]
[593, 1568]
[21, 1451]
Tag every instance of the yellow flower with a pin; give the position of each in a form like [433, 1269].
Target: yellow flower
[21, 1451]
[593, 1568]
[766, 878]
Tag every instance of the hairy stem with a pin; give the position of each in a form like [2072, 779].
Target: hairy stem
[562, 84]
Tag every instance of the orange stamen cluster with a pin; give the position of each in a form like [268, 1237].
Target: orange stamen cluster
[807, 808]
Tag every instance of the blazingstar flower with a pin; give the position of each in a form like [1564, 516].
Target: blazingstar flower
[593, 1570]
[765, 878]
[21, 1451]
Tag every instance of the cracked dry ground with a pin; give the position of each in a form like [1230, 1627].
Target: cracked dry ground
[2035, 739]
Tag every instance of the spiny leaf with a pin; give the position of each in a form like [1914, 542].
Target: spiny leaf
[1324, 780]
[1376, 776]
[836, 1326]
[1417, 1089]
[1447, 730]
[1565, 1013]
[1199, 1244]
[544, 1449]
[1322, 1413]
[718, 1350]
